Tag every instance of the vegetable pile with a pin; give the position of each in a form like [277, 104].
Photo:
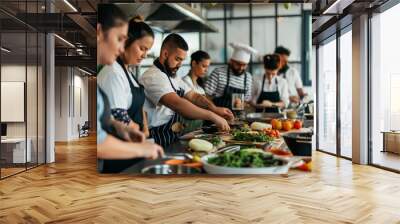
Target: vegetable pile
[240, 135]
[245, 158]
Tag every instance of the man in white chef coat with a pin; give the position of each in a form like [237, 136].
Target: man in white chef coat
[169, 98]
[292, 76]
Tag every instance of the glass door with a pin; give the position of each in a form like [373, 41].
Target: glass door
[385, 89]
[327, 96]
[346, 93]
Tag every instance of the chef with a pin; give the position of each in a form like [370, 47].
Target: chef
[270, 92]
[169, 98]
[112, 30]
[125, 95]
[296, 92]
[231, 79]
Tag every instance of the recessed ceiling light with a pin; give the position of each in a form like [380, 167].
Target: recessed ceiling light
[84, 71]
[64, 40]
[70, 5]
[5, 50]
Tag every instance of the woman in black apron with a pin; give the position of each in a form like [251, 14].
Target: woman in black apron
[169, 132]
[109, 146]
[270, 101]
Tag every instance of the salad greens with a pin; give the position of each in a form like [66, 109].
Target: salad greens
[245, 158]
[240, 135]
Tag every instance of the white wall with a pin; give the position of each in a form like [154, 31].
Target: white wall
[33, 127]
[71, 94]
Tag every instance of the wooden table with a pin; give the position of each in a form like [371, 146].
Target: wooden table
[391, 141]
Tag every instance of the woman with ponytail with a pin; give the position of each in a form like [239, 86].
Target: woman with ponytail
[270, 92]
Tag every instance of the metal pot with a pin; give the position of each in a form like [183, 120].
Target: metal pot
[299, 143]
[163, 169]
[262, 117]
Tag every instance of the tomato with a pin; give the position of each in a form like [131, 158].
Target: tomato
[287, 125]
[297, 124]
[305, 166]
[276, 124]
[271, 132]
[280, 152]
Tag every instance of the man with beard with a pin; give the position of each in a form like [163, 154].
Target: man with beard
[232, 79]
[296, 92]
[169, 98]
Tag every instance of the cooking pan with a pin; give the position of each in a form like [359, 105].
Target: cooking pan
[262, 117]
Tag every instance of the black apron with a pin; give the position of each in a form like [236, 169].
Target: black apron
[112, 165]
[135, 112]
[273, 96]
[163, 134]
[226, 99]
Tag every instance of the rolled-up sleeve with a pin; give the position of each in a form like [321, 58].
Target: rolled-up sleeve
[255, 90]
[155, 85]
[298, 83]
[284, 92]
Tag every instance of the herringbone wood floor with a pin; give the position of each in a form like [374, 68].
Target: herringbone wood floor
[71, 191]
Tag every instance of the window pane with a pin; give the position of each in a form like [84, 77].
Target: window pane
[346, 94]
[213, 43]
[263, 9]
[327, 97]
[237, 10]
[289, 9]
[214, 10]
[193, 41]
[237, 31]
[13, 80]
[264, 35]
[385, 84]
[289, 35]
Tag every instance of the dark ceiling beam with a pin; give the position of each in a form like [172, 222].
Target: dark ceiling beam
[78, 61]
[86, 27]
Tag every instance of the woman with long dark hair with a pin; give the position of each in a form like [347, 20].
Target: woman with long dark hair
[118, 80]
[199, 64]
[115, 141]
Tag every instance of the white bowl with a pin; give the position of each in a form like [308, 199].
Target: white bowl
[214, 169]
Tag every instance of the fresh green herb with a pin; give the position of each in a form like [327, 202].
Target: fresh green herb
[251, 137]
[245, 158]
[215, 140]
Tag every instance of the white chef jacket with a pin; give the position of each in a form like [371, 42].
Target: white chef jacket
[282, 88]
[198, 89]
[156, 85]
[293, 79]
[113, 81]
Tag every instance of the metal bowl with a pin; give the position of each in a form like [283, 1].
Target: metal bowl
[163, 169]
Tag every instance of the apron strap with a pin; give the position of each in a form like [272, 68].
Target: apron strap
[121, 63]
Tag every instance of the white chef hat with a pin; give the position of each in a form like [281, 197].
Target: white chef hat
[242, 52]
